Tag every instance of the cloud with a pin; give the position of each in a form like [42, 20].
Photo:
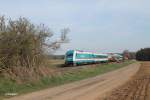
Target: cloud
[89, 20]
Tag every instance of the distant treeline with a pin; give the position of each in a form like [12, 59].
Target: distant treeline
[143, 54]
[56, 56]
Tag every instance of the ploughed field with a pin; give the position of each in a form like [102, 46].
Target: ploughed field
[138, 88]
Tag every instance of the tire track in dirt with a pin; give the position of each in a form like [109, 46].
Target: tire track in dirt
[88, 89]
[138, 88]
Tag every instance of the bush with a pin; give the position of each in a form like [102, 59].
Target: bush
[23, 46]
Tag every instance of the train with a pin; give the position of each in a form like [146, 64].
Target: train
[78, 57]
[115, 57]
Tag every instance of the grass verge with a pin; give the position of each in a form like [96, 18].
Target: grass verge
[8, 86]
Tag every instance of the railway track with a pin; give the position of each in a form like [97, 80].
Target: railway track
[138, 88]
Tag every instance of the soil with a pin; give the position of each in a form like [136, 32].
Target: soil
[138, 88]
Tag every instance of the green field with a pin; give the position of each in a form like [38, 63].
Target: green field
[8, 86]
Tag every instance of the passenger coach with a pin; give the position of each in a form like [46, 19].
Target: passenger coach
[76, 57]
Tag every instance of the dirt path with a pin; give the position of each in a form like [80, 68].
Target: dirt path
[88, 89]
[138, 88]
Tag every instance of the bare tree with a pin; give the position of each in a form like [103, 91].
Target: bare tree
[126, 54]
[22, 44]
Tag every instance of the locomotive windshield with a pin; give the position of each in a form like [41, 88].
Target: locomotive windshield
[69, 55]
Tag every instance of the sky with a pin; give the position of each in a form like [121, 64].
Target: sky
[96, 25]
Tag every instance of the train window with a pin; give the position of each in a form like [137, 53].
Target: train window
[84, 56]
[90, 56]
[69, 55]
[101, 56]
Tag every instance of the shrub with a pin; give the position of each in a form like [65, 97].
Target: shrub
[23, 46]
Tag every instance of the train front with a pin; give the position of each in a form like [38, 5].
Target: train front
[69, 57]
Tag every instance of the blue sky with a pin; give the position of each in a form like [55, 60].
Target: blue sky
[96, 25]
